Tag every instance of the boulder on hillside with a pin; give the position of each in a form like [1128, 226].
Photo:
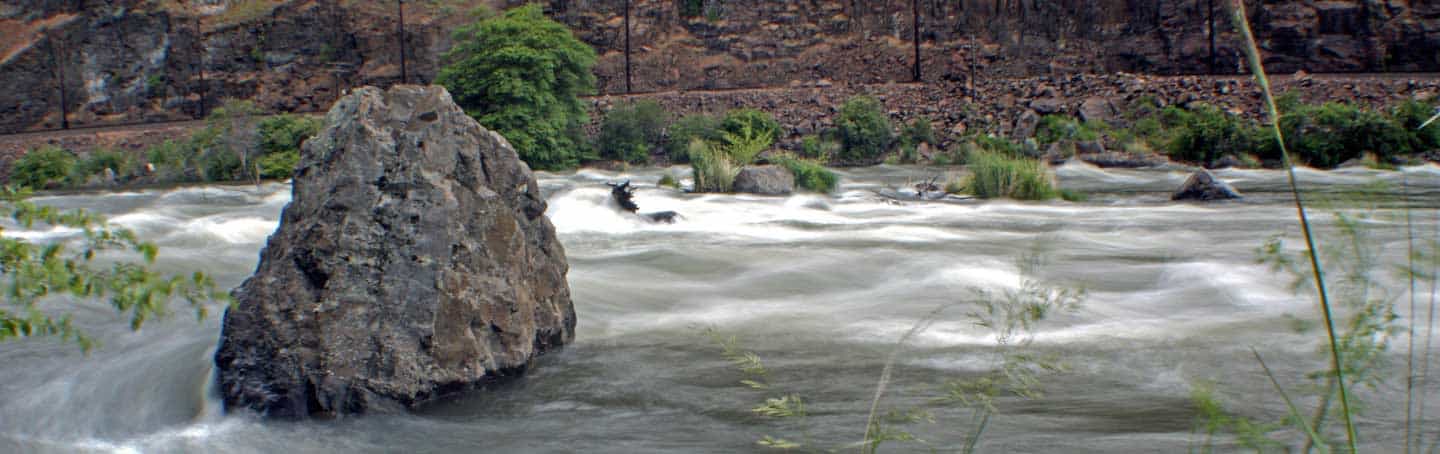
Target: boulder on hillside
[1099, 109]
[1203, 186]
[765, 180]
[1025, 125]
[414, 260]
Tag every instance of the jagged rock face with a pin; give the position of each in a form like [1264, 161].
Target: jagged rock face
[415, 259]
[1203, 186]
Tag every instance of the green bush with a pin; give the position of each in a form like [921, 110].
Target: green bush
[285, 132]
[691, 8]
[1410, 115]
[809, 174]
[917, 132]
[1205, 133]
[169, 155]
[42, 166]
[686, 130]
[278, 165]
[629, 131]
[220, 165]
[996, 175]
[1327, 135]
[99, 160]
[864, 130]
[759, 122]
[1055, 128]
[818, 148]
[522, 75]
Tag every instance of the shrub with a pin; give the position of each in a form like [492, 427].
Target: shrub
[1327, 135]
[759, 122]
[42, 166]
[995, 175]
[691, 8]
[863, 129]
[285, 132]
[809, 174]
[1055, 128]
[278, 165]
[817, 148]
[169, 154]
[917, 132]
[1410, 115]
[99, 160]
[628, 132]
[1205, 133]
[522, 74]
[687, 129]
[220, 165]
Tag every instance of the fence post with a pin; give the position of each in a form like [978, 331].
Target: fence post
[55, 53]
[400, 7]
[627, 47]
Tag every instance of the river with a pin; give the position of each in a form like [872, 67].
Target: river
[820, 288]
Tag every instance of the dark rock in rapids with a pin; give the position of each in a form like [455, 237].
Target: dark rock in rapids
[414, 260]
[1203, 186]
[624, 196]
[765, 180]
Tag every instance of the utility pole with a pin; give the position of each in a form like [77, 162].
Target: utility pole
[55, 52]
[627, 47]
[1210, 4]
[915, 22]
[200, 62]
[400, 8]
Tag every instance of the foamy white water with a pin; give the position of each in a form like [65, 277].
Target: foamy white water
[820, 286]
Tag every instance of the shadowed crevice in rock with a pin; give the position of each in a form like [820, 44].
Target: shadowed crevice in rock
[414, 260]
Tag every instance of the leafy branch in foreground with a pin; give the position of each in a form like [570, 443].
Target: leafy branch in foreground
[33, 272]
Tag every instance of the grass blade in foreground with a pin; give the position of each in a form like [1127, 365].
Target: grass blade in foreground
[1294, 411]
[1258, 68]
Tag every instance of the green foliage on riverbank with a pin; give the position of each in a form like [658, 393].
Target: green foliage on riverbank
[630, 131]
[522, 74]
[809, 173]
[229, 148]
[863, 130]
[688, 128]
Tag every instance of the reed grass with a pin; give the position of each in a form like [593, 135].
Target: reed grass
[1252, 51]
[996, 175]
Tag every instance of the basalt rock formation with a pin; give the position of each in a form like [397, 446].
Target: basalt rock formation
[1203, 186]
[414, 260]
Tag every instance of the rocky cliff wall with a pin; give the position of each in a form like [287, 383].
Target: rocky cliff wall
[141, 60]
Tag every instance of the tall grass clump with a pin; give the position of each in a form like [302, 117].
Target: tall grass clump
[997, 175]
[716, 164]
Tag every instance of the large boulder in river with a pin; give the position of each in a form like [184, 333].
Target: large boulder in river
[1203, 186]
[765, 180]
[414, 260]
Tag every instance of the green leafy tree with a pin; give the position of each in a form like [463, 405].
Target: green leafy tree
[864, 130]
[34, 273]
[630, 131]
[687, 129]
[522, 74]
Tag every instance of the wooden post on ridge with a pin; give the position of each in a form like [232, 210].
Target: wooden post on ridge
[915, 22]
[55, 52]
[400, 10]
[627, 47]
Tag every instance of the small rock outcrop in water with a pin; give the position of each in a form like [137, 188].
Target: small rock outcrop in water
[624, 196]
[415, 259]
[765, 180]
[1203, 186]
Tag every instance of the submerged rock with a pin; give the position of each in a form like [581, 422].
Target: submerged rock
[1203, 186]
[765, 180]
[414, 260]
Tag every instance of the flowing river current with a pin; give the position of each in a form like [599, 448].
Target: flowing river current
[821, 289]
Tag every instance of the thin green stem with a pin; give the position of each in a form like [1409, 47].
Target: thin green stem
[1315, 439]
[866, 446]
[1258, 68]
[1410, 338]
[974, 438]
